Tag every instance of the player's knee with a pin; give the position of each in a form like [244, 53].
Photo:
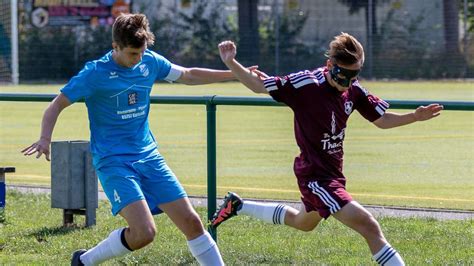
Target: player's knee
[371, 228]
[307, 227]
[195, 223]
[145, 236]
[149, 234]
[300, 223]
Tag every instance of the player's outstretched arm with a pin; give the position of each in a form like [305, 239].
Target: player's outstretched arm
[198, 76]
[50, 117]
[422, 113]
[251, 78]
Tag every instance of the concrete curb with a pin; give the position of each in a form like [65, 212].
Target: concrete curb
[378, 211]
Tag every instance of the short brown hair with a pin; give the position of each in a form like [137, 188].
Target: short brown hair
[345, 49]
[132, 30]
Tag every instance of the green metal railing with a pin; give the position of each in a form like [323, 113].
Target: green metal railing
[211, 103]
[249, 101]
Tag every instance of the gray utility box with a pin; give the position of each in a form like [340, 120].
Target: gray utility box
[73, 181]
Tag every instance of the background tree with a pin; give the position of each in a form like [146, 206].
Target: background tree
[295, 53]
[249, 38]
[451, 26]
[202, 30]
[356, 5]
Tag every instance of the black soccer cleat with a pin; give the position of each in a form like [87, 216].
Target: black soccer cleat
[232, 203]
[75, 261]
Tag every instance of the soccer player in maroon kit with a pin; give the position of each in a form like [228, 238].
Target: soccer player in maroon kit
[322, 101]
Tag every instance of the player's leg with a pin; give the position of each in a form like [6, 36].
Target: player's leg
[123, 190]
[200, 243]
[274, 213]
[359, 219]
[141, 226]
[277, 213]
[139, 233]
[302, 219]
[330, 197]
[162, 189]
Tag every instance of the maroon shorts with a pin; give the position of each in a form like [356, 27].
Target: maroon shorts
[324, 196]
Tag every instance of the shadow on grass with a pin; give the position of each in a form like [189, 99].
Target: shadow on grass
[42, 234]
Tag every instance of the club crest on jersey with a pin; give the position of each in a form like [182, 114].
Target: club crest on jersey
[332, 143]
[132, 98]
[348, 107]
[144, 70]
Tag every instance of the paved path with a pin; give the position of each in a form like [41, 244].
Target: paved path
[378, 211]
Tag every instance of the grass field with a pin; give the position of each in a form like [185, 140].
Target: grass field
[427, 164]
[33, 235]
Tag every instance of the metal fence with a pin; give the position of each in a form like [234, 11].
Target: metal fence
[6, 70]
[211, 103]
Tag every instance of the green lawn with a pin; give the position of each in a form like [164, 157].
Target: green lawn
[32, 235]
[427, 164]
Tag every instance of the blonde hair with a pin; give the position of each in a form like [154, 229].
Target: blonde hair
[132, 30]
[345, 49]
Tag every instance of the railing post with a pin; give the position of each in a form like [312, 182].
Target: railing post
[211, 163]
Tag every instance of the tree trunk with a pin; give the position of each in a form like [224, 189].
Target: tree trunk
[451, 26]
[248, 32]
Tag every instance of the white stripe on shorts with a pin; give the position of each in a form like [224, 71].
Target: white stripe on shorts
[325, 197]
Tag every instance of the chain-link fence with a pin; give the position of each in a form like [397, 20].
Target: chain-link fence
[407, 39]
[5, 42]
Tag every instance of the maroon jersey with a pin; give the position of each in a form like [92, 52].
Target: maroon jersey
[321, 113]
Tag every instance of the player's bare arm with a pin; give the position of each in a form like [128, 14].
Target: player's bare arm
[47, 125]
[252, 79]
[422, 113]
[197, 76]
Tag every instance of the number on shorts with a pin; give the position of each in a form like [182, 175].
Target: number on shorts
[116, 196]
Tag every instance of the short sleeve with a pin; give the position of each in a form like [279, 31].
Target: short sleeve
[82, 85]
[368, 105]
[288, 88]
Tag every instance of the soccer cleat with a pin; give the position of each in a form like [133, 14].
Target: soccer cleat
[232, 203]
[75, 261]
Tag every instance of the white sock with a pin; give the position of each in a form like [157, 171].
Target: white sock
[388, 256]
[267, 212]
[205, 250]
[110, 247]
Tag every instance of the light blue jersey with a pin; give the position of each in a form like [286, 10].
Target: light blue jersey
[124, 150]
[118, 103]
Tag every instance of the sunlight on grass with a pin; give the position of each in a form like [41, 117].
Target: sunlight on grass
[427, 164]
[33, 235]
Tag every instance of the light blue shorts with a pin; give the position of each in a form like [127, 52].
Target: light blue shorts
[149, 179]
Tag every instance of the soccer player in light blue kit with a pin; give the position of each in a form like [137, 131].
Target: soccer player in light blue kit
[133, 174]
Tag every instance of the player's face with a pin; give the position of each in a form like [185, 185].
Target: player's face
[128, 56]
[342, 76]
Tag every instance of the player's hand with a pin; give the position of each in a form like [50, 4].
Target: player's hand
[252, 68]
[227, 51]
[40, 147]
[260, 74]
[423, 113]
